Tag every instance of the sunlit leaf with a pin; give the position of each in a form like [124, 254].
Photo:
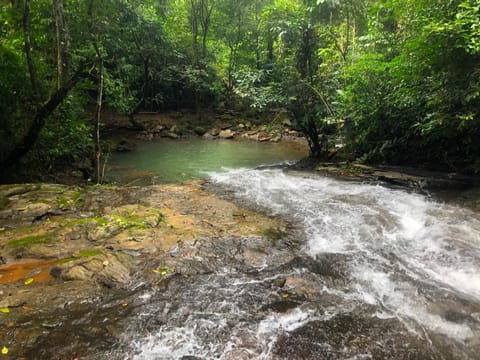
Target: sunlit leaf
[124, 305]
[4, 350]
[28, 281]
[155, 271]
[164, 272]
[4, 310]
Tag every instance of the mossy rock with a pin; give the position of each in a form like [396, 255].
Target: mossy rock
[4, 201]
[40, 239]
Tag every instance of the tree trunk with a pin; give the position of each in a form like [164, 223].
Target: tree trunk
[98, 116]
[194, 26]
[28, 46]
[205, 15]
[98, 111]
[141, 102]
[31, 136]
[62, 42]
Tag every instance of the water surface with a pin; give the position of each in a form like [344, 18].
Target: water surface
[166, 161]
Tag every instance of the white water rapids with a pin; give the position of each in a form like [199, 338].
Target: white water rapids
[410, 258]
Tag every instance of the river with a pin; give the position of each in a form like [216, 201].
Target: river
[167, 161]
[371, 273]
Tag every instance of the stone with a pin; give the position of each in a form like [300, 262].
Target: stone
[125, 146]
[276, 138]
[112, 270]
[226, 134]
[36, 210]
[264, 136]
[172, 135]
[200, 131]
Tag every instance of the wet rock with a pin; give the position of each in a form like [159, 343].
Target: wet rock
[280, 282]
[35, 210]
[281, 306]
[200, 131]
[125, 146]
[109, 269]
[226, 134]
[300, 286]
[264, 136]
[276, 138]
[172, 135]
[352, 336]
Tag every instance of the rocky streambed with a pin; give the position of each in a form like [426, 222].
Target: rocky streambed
[340, 270]
[72, 259]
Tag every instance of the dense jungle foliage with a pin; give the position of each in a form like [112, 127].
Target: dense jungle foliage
[397, 80]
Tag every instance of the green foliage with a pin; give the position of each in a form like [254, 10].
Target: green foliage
[401, 75]
[66, 138]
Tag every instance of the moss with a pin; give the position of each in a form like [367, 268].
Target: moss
[78, 198]
[133, 221]
[226, 117]
[274, 233]
[3, 202]
[62, 202]
[81, 254]
[101, 221]
[89, 253]
[31, 240]
[50, 190]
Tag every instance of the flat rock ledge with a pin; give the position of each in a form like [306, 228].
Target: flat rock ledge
[60, 244]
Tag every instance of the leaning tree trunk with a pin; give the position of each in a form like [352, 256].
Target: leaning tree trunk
[29, 139]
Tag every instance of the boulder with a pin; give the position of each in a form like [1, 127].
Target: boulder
[109, 269]
[208, 136]
[200, 131]
[125, 146]
[264, 136]
[226, 134]
[172, 135]
[276, 138]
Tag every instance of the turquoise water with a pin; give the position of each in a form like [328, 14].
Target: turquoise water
[167, 161]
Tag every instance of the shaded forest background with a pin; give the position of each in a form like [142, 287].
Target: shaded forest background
[398, 80]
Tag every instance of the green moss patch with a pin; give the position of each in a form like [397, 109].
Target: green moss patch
[81, 254]
[32, 240]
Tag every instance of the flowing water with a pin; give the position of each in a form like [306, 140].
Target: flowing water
[370, 273]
